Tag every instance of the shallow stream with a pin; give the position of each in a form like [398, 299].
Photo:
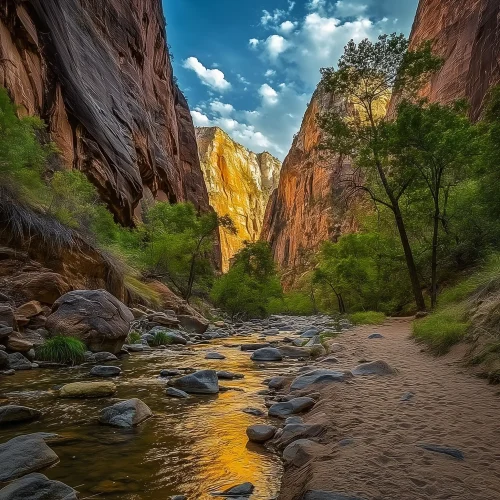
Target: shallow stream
[190, 446]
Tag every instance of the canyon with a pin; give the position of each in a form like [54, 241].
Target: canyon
[239, 184]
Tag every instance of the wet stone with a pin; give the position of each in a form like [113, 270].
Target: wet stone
[36, 486]
[176, 393]
[105, 371]
[10, 414]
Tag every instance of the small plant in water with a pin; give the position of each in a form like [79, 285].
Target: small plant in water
[64, 350]
[134, 337]
[161, 338]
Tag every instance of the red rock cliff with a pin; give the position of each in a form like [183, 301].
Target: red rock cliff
[467, 35]
[99, 74]
[308, 207]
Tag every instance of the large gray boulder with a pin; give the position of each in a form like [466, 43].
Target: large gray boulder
[10, 414]
[292, 407]
[36, 486]
[94, 316]
[105, 371]
[316, 377]
[19, 362]
[4, 360]
[299, 452]
[260, 433]
[192, 324]
[267, 354]
[200, 382]
[125, 414]
[172, 336]
[292, 432]
[24, 454]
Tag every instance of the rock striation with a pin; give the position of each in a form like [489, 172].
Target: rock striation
[467, 36]
[309, 206]
[99, 74]
[239, 184]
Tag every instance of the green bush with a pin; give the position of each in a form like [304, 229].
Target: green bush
[134, 337]
[64, 350]
[367, 318]
[442, 329]
[293, 303]
[160, 338]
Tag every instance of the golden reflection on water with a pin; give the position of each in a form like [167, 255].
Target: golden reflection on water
[189, 447]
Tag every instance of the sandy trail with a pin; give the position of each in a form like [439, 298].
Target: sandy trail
[450, 407]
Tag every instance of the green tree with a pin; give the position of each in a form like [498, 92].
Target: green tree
[438, 145]
[367, 74]
[250, 284]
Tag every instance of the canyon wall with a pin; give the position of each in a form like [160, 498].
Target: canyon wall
[99, 74]
[467, 36]
[308, 207]
[239, 184]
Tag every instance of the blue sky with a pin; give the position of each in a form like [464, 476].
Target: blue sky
[251, 66]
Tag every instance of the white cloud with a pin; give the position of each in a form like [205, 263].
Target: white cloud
[199, 119]
[276, 45]
[349, 9]
[221, 108]
[286, 27]
[291, 5]
[213, 78]
[253, 42]
[269, 72]
[242, 79]
[268, 94]
[268, 18]
[316, 4]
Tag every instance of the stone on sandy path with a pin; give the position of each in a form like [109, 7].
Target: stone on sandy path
[316, 377]
[373, 368]
[294, 352]
[293, 432]
[36, 486]
[299, 452]
[260, 433]
[125, 414]
[87, 390]
[24, 454]
[295, 405]
[445, 450]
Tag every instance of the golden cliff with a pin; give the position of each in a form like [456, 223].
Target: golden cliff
[239, 184]
[308, 207]
[99, 74]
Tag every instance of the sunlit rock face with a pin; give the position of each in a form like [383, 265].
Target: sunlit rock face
[309, 206]
[239, 184]
[99, 74]
[467, 35]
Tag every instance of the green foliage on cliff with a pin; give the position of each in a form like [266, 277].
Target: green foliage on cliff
[250, 284]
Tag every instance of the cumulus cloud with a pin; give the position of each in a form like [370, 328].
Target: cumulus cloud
[269, 73]
[221, 108]
[268, 18]
[253, 42]
[213, 78]
[199, 119]
[349, 9]
[276, 45]
[286, 27]
[268, 94]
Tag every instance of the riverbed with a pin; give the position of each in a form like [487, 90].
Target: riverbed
[190, 447]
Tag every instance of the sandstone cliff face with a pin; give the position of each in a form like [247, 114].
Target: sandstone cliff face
[239, 184]
[99, 74]
[467, 36]
[308, 207]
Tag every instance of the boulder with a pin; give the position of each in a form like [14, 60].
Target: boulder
[7, 316]
[223, 375]
[317, 377]
[105, 371]
[310, 333]
[193, 324]
[17, 343]
[174, 337]
[87, 390]
[5, 331]
[102, 357]
[292, 432]
[24, 454]
[36, 486]
[214, 355]
[299, 452]
[4, 360]
[241, 490]
[10, 414]
[260, 433]
[267, 354]
[164, 319]
[294, 352]
[253, 347]
[125, 414]
[295, 405]
[373, 368]
[176, 393]
[29, 309]
[256, 412]
[172, 372]
[94, 316]
[200, 382]
[276, 383]
[328, 495]
[19, 362]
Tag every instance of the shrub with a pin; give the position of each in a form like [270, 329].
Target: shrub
[64, 350]
[293, 303]
[442, 329]
[134, 337]
[160, 338]
[367, 318]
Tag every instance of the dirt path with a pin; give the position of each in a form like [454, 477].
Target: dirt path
[382, 462]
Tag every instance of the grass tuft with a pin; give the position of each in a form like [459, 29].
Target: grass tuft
[161, 338]
[134, 337]
[367, 318]
[64, 350]
[442, 329]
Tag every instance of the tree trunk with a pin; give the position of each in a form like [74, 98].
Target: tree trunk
[435, 234]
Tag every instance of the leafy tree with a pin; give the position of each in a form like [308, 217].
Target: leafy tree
[251, 282]
[366, 76]
[437, 146]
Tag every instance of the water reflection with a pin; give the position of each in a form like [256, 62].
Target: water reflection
[189, 447]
